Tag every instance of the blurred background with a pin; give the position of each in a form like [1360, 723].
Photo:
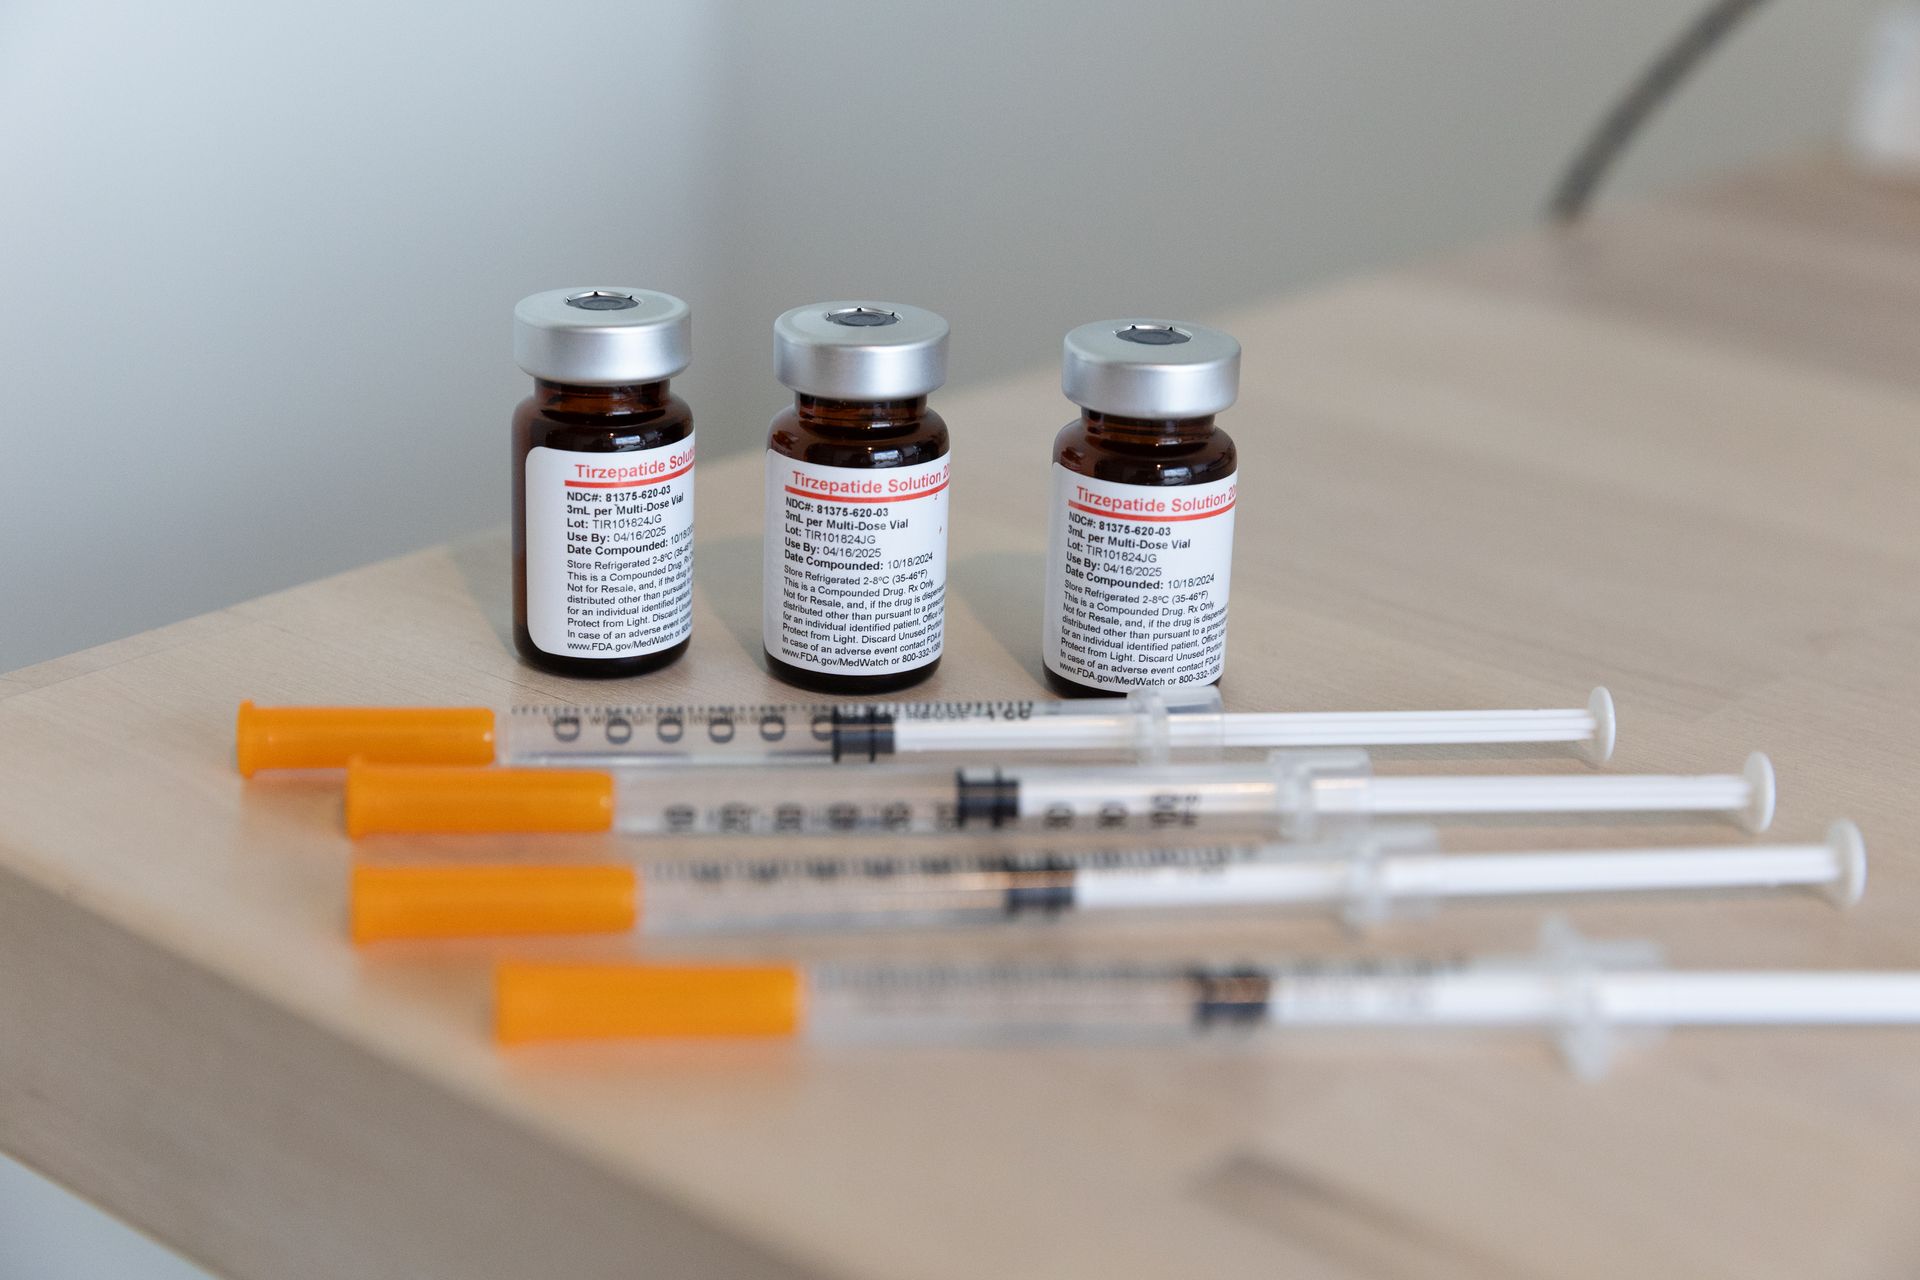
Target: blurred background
[259, 260]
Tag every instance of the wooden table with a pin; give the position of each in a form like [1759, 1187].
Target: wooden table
[1676, 452]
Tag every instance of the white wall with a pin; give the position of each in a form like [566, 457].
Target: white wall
[259, 259]
[256, 261]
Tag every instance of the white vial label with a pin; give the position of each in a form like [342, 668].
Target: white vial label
[1137, 581]
[856, 566]
[610, 550]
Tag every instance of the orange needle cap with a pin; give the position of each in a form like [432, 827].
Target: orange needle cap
[328, 737]
[395, 798]
[606, 1001]
[476, 901]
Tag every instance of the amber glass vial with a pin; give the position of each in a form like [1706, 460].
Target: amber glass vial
[856, 491]
[1140, 524]
[602, 483]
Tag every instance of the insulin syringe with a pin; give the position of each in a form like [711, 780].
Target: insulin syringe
[1587, 995]
[1150, 726]
[1366, 875]
[1294, 793]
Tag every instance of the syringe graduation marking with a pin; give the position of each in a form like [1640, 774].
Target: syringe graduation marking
[980, 798]
[1040, 883]
[1228, 996]
[844, 733]
[618, 724]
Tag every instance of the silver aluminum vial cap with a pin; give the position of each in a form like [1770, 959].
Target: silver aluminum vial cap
[1150, 368]
[860, 350]
[604, 337]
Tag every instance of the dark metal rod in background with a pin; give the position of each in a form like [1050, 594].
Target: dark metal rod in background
[1655, 85]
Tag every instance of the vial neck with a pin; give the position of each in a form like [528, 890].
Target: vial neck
[566, 397]
[821, 413]
[1146, 433]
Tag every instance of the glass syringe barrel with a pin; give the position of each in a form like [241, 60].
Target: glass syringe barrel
[1150, 726]
[1365, 876]
[1582, 993]
[1292, 792]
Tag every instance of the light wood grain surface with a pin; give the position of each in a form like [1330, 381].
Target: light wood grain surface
[1677, 452]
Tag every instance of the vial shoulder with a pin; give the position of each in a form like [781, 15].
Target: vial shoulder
[924, 440]
[1197, 462]
[535, 427]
